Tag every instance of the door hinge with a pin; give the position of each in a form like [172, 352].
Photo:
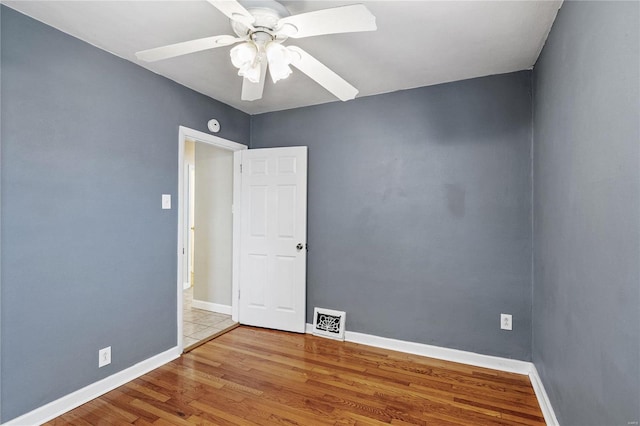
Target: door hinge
[238, 294]
[240, 167]
[182, 250]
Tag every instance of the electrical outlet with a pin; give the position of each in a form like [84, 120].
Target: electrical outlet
[104, 357]
[505, 322]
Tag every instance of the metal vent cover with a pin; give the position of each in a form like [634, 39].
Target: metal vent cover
[329, 323]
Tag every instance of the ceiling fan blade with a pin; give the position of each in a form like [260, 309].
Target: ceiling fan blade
[345, 19]
[234, 11]
[191, 46]
[253, 91]
[321, 74]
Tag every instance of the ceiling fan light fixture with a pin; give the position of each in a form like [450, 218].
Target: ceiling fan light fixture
[279, 59]
[261, 27]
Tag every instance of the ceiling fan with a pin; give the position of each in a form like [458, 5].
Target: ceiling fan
[261, 28]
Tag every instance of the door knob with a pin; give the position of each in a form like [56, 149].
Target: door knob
[299, 246]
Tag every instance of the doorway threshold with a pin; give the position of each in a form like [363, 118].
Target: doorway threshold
[209, 338]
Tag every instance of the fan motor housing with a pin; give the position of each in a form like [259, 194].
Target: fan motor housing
[266, 13]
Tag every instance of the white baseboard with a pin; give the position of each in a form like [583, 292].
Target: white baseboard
[213, 307]
[464, 357]
[543, 399]
[75, 399]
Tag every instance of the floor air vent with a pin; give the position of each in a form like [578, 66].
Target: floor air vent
[328, 323]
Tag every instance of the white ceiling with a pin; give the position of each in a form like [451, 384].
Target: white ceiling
[418, 43]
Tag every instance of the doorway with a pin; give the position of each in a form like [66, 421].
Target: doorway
[207, 237]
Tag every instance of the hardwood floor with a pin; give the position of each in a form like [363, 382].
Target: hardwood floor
[257, 376]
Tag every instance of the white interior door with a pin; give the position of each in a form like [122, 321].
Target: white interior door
[273, 255]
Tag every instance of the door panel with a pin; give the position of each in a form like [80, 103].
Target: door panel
[273, 225]
[286, 212]
[258, 208]
[257, 276]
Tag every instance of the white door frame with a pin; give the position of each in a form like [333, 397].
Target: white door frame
[185, 133]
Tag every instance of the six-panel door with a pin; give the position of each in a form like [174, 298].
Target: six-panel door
[273, 238]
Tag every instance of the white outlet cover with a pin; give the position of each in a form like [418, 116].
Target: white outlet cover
[104, 357]
[506, 322]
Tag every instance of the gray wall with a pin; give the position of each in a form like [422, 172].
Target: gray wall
[89, 144]
[419, 210]
[586, 306]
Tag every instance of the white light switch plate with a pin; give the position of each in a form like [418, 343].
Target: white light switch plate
[166, 201]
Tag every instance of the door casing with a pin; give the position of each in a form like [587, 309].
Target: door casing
[186, 133]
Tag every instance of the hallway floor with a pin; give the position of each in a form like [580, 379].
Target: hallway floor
[199, 325]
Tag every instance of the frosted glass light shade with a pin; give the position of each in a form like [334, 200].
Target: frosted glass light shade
[243, 54]
[245, 57]
[279, 60]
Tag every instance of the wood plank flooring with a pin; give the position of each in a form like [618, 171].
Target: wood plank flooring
[265, 377]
